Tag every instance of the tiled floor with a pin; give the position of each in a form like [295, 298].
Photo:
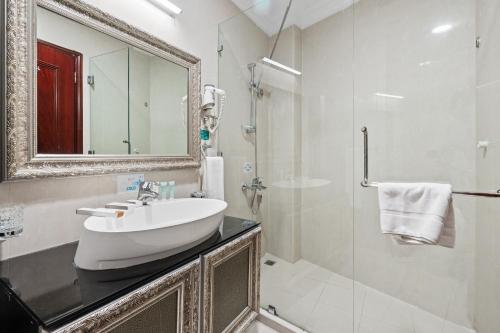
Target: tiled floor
[321, 301]
[258, 327]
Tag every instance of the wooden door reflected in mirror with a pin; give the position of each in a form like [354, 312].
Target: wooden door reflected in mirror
[59, 88]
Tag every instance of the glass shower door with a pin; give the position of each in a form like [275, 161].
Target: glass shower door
[421, 75]
[109, 103]
[414, 89]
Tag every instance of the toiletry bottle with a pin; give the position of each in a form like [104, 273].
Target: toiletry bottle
[164, 190]
[204, 134]
[171, 185]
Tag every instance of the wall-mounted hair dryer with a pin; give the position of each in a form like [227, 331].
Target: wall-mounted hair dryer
[209, 96]
[213, 115]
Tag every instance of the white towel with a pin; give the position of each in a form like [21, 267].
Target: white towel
[213, 177]
[417, 213]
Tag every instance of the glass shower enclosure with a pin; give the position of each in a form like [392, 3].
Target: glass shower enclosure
[421, 75]
[109, 102]
[119, 84]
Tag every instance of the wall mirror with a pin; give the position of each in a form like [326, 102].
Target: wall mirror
[94, 94]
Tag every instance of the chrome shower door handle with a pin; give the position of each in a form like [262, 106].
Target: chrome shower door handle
[364, 130]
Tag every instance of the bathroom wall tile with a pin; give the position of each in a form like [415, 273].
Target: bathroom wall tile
[425, 322]
[326, 118]
[488, 28]
[244, 43]
[487, 292]
[50, 203]
[50, 206]
[450, 327]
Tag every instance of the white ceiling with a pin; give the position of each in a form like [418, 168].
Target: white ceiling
[267, 14]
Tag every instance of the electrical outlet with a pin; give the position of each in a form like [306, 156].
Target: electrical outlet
[247, 167]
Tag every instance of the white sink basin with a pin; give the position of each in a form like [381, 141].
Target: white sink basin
[148, 233]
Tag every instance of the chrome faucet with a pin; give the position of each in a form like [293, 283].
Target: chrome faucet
[257, 184]
[148, 191]
[256, 187]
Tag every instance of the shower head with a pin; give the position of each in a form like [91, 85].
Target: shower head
[280, 66]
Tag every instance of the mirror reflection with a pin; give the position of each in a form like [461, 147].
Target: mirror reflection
[99, 95]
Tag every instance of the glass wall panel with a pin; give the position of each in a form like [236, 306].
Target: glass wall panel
[422, 77]
[109, 103]
[292, 129]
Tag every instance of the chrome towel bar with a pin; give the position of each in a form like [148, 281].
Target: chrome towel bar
[366, 183]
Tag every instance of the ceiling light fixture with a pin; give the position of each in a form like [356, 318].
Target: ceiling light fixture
[280, 66]
[389, 96]
[442, 28]
[167, 7]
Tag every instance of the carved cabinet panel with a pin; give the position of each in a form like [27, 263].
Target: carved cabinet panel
[231, 285]
[168, 305]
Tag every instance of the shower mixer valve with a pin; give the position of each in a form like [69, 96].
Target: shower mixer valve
[256, 184]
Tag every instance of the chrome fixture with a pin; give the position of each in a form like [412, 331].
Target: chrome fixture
[90, 80]
[253, 86]
[256, 186]
[248, 129]
[198, 195]
[367, 183]
[100, 212]
[123, 205]
[256, 92]
[129, 145]
[287, 11]
[274, 63]
[204, 147]
[272, 310]
[148, 191]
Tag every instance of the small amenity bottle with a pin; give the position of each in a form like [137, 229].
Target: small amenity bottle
[171, 187]
[164, 190]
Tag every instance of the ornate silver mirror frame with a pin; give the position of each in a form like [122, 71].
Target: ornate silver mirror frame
[3, 132]
[21, 161]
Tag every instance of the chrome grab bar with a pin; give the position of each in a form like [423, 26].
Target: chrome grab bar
[366, 183]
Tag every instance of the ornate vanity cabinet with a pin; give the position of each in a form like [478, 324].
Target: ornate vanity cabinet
[211, 288]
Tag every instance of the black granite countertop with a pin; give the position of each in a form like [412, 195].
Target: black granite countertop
[55, 292]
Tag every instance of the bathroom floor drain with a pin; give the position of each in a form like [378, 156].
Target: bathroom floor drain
[269, 262]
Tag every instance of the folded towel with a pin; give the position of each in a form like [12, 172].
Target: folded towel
[417, 213]
[213, 177]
